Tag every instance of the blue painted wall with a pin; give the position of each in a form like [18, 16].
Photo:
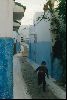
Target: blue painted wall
[18, 47]
[6, 68]
[41, 51]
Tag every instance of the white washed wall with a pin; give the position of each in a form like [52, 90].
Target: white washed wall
[43, 29]
[16, 36]
[24, 32]
[6, 18]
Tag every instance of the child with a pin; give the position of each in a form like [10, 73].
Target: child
[42, 72]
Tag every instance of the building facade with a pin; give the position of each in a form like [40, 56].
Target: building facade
[18, 14]
[40, 40]
[6, 47]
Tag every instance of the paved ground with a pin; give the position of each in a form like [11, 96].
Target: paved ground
[25, 82]
[19, 86]
[56, 89]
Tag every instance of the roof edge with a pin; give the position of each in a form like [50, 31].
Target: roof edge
[19, 4]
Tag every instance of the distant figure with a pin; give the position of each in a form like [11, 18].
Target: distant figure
[42, 72]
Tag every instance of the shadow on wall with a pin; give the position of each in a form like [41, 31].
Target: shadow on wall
[17, 47]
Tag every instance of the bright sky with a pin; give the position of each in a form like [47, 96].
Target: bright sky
[32, 6]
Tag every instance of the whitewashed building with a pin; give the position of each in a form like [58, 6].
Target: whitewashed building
[18, 14]
[40, 40]
[8, 14]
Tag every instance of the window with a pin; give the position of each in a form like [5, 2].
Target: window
[22, 39]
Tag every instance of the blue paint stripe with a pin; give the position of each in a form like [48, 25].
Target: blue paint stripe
[6, 68]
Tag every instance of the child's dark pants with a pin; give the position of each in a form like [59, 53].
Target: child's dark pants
[41, 80]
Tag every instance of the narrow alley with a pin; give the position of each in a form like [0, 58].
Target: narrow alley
[25, 81]
[32, 46]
